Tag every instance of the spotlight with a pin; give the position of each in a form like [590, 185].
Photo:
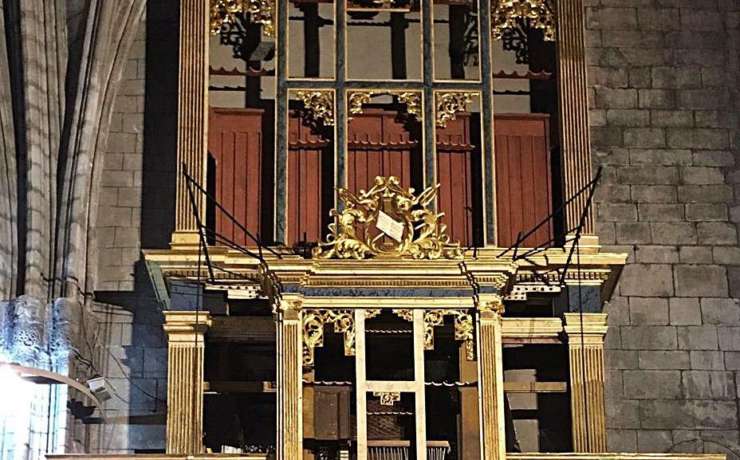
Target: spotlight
[97, 386]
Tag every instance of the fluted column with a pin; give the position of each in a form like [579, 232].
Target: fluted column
[289, 366]
[586, 348]
[491, 378]
[573, 109]
[192, 116]
[185, 336]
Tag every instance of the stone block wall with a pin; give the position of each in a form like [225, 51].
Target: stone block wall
[119, 213]
[664, 104]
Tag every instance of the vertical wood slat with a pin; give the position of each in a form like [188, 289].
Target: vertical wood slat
[573, 108]
[192, 111]
[370, 134]
[235, 142]
[454, 173]
[523, 178]
[305, 182]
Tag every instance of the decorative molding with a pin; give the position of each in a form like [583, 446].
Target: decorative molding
[515, 39]
[319, 104]
[464, 330]
[534, 14]
[224, 12]
[493, 304]
[412, 100]
[449, 104]
[411, 228]
[313, 331]
[387, 398]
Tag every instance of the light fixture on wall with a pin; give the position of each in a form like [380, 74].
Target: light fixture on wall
[534, 14]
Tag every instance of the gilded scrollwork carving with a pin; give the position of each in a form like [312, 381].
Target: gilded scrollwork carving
[449, 104]
[536, 14]
[387, 398]
[260, 12]
[494, 305]
[319, 104]
[411, 99]
[464, 331]
[412, 229]
[313, 331]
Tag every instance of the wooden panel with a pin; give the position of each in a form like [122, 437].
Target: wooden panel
[306, 151]
[235, 143]
[379, 145]
[455, 175]
[523, 177]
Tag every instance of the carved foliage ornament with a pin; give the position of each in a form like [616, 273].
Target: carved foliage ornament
[387, 398]
[313, 331]
[412, 100]
[449, 104]
[387, 221]
[226, 12]
[433, 318]
[536, 14]
[319, 104]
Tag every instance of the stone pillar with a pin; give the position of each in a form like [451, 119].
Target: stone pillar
[586, 348]
[185, 337]
[573, 111]
[192, 115]
[289, 374]
[491, 378]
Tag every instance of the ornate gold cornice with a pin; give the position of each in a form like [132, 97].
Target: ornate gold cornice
[448, 104]
[319, 104]
[260, 12]
[536, 14]
[410, 227]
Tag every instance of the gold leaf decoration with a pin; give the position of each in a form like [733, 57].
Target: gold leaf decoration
[319, 104]
[313, 331]
[412, 100]
[449, 104]
[260, 12]
[537, 14]
[387, 221]
[387, 398]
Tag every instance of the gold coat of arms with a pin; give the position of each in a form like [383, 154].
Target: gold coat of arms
[387, 221]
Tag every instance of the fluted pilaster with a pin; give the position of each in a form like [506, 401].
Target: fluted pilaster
[586, 348]
[573, 108]
[491, 381]
[192, 114]
[185, 361]
[290, 398]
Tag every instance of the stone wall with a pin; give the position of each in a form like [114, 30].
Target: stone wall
[119, 215]
[130, 349]
[664, 99]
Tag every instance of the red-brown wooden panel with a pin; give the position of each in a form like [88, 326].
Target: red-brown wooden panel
[235, 142]
[378, 145]
[523, 178]
[454, 173]
[305, 151]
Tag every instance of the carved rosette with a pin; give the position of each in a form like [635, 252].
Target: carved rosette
[313, 331]
[464, 331]
[260, 12]
[536, 14]
[411, 99]
[413, 230]
[495, 305]
[387, 398]
[319, 104]
[449, 104]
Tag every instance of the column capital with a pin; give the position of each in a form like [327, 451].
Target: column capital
[592, 326]
[491, 306]
[186, 326]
